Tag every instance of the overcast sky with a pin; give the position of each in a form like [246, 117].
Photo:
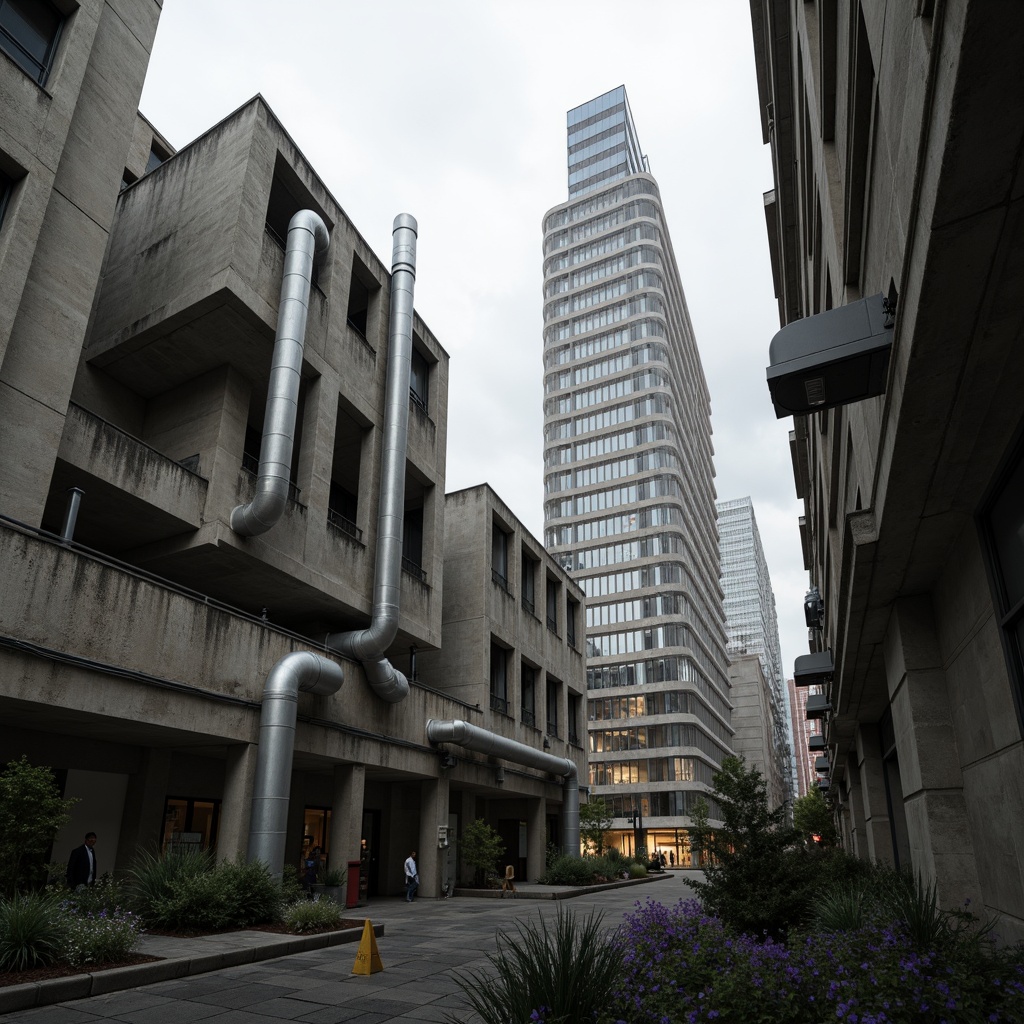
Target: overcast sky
[454, 111]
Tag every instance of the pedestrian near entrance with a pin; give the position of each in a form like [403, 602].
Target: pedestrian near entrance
[82, 863]
[412, 877]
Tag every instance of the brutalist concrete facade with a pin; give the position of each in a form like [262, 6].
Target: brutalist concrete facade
[897, 132]
[133, 656]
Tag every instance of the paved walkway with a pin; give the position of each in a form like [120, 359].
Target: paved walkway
[421, 945]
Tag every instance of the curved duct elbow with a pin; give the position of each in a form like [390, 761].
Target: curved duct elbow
[472, 737]
[368, 645]
[308, 239]
[300, 671]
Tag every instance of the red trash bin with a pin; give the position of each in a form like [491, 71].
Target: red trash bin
[352, 887]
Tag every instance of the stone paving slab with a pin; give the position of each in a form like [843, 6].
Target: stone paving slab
[423, 946]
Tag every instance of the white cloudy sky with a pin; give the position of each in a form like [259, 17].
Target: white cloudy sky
[454, 111]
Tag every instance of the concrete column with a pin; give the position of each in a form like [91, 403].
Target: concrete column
[222, 464]
[236, 807]
[877, 829]
[536, 838]
[143, 816]
[347, 813]
[938, 827]
[433, 812]
[468, 815]
[858, 843]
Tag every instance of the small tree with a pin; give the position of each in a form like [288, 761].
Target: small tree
[813, 817]
[595, 820]
[32, 812]
[481, 846]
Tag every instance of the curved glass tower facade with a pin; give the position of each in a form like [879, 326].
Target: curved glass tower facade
[629, 491]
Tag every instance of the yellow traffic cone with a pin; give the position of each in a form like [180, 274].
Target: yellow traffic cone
[368, 958]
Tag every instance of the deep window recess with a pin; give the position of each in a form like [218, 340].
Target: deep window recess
[412, 543]
[571, 608]
[1005, 527]
[342, 509]
[362, 288]
[157, 155]
[552, 707]
[528, 689]
[6, 188]
[574, 716]
[499, 556]
[419, 380]
[287, 197]
[529, 578]
[499, 679]
[190, 824]
[552, 605]
[29, 30]
[127, 179]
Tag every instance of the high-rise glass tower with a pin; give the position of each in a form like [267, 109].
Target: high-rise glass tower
[751, 623]
[629, 492]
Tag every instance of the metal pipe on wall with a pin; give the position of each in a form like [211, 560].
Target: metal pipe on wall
[368, 645]
[472, 737]
[308, 239]
[300, 671]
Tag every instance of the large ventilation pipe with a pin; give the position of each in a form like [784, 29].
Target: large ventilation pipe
[368, 645]
[299, 671]
[483, 742]
[307, 240]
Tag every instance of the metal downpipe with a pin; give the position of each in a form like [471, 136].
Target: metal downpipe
[472, 737]
[307, 240]
[368, 645]
[299, 671]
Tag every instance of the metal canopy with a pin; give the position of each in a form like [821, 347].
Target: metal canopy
[813, 669]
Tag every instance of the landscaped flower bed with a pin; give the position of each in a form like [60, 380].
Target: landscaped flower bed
[682, 966]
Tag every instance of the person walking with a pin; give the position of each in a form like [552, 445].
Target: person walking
[82, 863]
[412, 877]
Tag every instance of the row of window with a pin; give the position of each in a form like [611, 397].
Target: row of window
[590, 205]
[672, 668]
[652, 737]
[644, 231]
[614, 526]
[29, 33]
[646, 328]
[672, 804]
[643, 547]
[661, 486]
[608, 444]
[650, 352]
[652, 378]
[644, 303]
[602, 223]
[501, 694]
[660, 574]
[600, 472]
[650, 769]
[614, 289]
[663, 603]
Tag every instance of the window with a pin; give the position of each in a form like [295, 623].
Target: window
[29, 30]
[1005, 523]
[419, 380]
[552, 606]
[190, 824]
[571, 609]
[412, 543]
[157, 155]
[342, 509]
[552, 707]
[499, 556]
[499, 679]
[287, 196]
[528, 689]
[529, 578]
[362, 288]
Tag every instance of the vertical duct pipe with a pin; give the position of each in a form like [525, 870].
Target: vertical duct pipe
[307, 240]
[483, 742]
[299, 671]
[368, 645]
[67, 530]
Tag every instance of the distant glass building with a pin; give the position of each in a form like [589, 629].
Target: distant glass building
[629, 493]
[751, 622]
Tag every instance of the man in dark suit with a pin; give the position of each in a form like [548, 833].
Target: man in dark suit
[82, 863]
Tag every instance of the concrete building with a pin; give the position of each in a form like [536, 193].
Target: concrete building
[897, 134]
[628, 485]
[752, 628]
[222, 521]
[753, 721]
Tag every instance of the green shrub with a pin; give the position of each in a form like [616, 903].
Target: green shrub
[637, 870]
[311, 915]
[106, 895]
[291, 888]
[252, 894]
[567, 870]
[151, 877]
[30, 931]
[564, 971]
[98, 937]
[192, 903]
[481, 847]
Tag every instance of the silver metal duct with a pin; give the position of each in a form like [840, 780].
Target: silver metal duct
[472, 737]
[307, 240]
[299, 671]
[368, 645]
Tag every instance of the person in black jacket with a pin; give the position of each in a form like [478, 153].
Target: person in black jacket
[82, 863]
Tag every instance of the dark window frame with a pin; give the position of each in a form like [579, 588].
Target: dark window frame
[419, 381]
[498, 678]
[38, 70]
